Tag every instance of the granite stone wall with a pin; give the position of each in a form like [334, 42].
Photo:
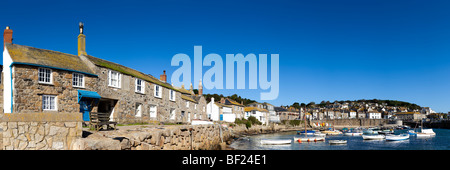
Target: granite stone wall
[27, 94]
[40, 131]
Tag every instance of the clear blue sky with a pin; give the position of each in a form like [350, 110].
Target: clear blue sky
[329, 50]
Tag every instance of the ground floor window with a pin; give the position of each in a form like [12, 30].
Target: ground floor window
[152, 111]
[172, 114]
[49, 102]
[138, 110]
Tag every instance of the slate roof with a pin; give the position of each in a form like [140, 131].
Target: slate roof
[21, 54]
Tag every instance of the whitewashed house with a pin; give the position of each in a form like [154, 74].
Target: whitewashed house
[374, 115]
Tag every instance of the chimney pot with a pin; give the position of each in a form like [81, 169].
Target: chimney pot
[7, 36]
[81, 41]
[163, 77]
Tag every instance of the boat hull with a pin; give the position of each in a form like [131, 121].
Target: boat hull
[397, 137]
[276, 142]
[336, 142]
[353, 134]
[373, 137]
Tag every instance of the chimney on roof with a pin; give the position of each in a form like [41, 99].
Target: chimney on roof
[81, 41]
[7, 36]
[200, 88]
[163, 77]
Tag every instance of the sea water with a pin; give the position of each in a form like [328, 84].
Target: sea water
[439, 142]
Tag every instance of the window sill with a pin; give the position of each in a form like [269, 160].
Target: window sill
[45, 83]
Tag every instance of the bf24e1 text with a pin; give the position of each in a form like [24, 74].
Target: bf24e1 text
[230, 160]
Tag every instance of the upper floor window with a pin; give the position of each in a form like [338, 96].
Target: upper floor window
[77, 80]
[171, 95]
[140, 86]
[45, 75]
[158, 91]
[114, 79]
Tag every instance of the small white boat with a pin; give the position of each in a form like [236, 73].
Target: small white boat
[397, 137]
[275, 141]
[309, 139]
[320, 134]
[426, 133]
[337, 141]
[373, 137]
[353, 133]
[332, 132]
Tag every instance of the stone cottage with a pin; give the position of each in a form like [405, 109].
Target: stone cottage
[40, 80]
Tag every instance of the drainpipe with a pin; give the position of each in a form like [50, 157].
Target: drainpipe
[10, 73]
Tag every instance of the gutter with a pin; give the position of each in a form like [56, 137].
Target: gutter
[38, 65]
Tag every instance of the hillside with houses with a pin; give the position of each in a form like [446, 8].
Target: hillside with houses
[229, 108]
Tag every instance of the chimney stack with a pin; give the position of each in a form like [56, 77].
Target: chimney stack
[200, 88]
[7, 36]
[81, 41]
[163, 77]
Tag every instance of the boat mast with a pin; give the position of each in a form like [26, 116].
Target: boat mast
[304, 116]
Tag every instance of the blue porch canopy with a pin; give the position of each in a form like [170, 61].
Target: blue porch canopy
[87, 94]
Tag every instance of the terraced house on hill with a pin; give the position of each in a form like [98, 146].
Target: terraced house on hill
[39, 80]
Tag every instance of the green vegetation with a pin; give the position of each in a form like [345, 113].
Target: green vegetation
[248, 122]
[358, 102]
[292, 122]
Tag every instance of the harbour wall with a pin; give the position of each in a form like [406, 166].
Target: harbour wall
[351, 122]
[180, 137]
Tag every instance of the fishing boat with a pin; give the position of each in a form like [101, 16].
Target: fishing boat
[370, 131]
[412, 133]
[350, 133]
[337, 142]
[275, 141]
[332, 132]
[306, 138]
[426, 133]
[373, 137]
[308, 132]
[397, 137]
[385, 132]
[320, 134]
[309, 139]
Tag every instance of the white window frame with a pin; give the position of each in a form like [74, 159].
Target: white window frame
[157, 91]
[76, 77]
[117, 78]
[138, 110]
[47, 105]
[141, 85]
[40, 69]
[172, 95]
[187, 104]
[153, 112]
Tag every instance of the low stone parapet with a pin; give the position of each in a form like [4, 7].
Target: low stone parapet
[40, 131]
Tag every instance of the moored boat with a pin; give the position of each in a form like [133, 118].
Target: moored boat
[426, 133]
[337, 141]
[275, 141]
[373, 137]
[397, 137]
[308, 132]
[353, 133]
